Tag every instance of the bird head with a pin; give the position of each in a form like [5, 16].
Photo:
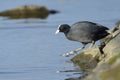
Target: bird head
[63, 28]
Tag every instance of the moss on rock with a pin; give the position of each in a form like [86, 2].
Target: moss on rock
[86, 60]
[113, 59]
[111, 74]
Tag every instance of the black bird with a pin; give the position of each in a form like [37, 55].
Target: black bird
[84, 32]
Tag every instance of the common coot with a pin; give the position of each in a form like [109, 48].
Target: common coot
[84, 32]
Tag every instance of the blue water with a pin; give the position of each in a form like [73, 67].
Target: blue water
[29, 49]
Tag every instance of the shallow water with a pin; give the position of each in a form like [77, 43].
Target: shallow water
[29, 49]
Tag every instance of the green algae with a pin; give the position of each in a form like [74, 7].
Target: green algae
[113, 59]
[111, 74]
[85, 61]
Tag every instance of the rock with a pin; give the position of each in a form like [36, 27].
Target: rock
[87, 60]
[28, 11]
[111, 74]
[118, 24]
[102, 67]
[106, 71]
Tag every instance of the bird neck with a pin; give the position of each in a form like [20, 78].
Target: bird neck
[66, 31]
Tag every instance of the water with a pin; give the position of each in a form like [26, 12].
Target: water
[29, 49]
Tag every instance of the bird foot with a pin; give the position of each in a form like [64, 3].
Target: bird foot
[69, 54]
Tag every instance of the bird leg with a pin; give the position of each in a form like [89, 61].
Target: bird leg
[92, 44]
[74, 51]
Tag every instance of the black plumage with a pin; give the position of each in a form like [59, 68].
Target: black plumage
[84, 32]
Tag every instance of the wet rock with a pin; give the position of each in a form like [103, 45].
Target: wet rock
[28, 11]
[112, 73]
[106, 71]
[87, 60]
